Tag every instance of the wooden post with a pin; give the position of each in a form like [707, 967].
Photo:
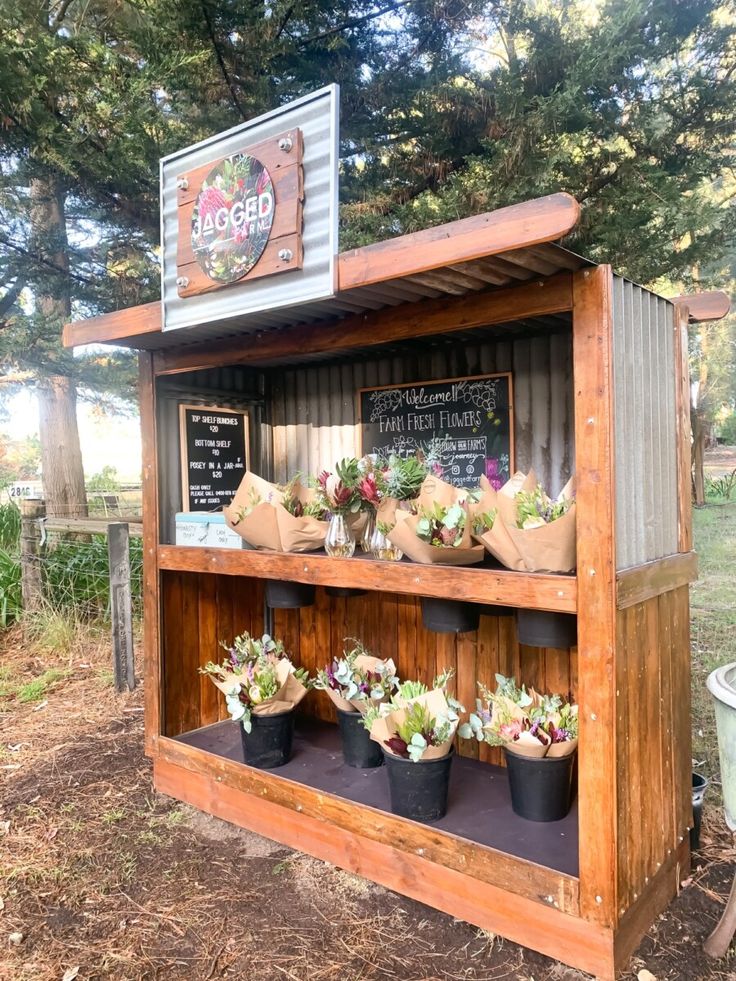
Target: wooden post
[121, 605]
[31, 511]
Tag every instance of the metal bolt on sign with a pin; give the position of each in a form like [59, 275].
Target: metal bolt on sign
[286, 255]
[286, 143]
[182, 282]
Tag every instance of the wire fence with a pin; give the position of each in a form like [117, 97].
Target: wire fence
[62, 563]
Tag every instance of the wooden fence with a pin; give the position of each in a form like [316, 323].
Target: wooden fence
[36, 526]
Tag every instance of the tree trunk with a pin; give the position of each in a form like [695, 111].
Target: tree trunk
[61, 457]
[698, 427]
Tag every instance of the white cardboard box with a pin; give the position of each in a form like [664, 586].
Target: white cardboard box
[206, 531]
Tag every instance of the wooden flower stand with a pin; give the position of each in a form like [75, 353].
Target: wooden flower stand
[600, 388]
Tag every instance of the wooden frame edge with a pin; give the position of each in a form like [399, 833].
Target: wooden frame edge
[637, 919]
[704, 307]
[644, 582]
[488, 586]
[516, 226]
[522, 877]
[592, 330]
[124, 327]
[153, 723]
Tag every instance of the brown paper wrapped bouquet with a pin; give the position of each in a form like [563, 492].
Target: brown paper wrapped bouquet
[358, 681]
[286, 518]
[419, 723]
[523, 722]
[257, 678]
[440, 530]
[524, 528]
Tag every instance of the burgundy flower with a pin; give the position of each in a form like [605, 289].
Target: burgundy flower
[368, 490]
[397, 745]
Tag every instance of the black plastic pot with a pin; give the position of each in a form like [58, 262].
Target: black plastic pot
[700, 785]
[541, 789]
[496, 611]
[268, 744]
[445, 616]
[286, 595]
[343, 591]
[538, 628]
[418, 790]
[358, 749]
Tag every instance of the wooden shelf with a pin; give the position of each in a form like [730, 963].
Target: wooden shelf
[480, 835]
[474, 584]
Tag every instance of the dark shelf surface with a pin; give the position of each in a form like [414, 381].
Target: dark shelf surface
[479, 806]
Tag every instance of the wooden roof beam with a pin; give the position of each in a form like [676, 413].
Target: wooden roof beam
[516, 227]
[122, 326]
[702, 307]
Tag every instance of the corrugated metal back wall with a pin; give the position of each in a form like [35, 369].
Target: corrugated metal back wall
[314, 409]
[644, 412]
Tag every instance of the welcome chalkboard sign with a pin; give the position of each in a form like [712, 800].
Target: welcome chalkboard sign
[214, 455]
[465, 423]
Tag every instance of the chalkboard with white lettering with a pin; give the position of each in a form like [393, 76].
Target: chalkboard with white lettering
[214, 455]
[466, 424]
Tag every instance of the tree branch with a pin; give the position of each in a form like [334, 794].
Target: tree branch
[60, 15]
[7, 301]
[353, 23]
[221, 60]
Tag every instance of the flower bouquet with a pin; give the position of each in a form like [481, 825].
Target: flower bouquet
[415, 731]
[388, 485]
[539, 734]
[262, 688]
[338, 494]
[283, 518]
[440, 529]
[355, 683]
[524, 528]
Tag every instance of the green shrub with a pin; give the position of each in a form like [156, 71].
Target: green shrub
[11, 597]
[76, 574]
[9, 526]
[721, 488]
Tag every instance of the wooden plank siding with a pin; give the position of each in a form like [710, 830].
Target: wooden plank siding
[201, 610]
[653, 740]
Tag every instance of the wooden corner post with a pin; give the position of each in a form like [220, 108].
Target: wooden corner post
[151, 603]
[592, 320]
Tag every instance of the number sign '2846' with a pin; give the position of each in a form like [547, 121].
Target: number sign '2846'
[232, 218]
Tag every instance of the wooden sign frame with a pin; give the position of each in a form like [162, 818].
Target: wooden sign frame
[442, 381]
[283, 156]
[184, 450]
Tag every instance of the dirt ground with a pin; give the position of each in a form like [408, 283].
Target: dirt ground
[102, 878]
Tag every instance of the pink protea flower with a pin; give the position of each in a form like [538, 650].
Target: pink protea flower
[210, 200]
[368, 490]
[337, 494]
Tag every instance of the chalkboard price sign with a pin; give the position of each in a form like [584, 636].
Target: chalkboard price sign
[465, 423]
[214, 455]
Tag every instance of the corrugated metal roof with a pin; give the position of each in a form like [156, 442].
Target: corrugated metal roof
[487, 274]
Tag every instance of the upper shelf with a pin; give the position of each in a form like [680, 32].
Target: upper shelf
[473, 584]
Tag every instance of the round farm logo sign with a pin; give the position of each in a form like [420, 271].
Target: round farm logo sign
[232, 218]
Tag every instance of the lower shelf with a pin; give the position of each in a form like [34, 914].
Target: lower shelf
[479, 808]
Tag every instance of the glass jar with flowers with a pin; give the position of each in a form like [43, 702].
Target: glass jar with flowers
[339, 493]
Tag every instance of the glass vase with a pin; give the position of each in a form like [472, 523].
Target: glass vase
[340, 540]
[370, 526]
[382, 548]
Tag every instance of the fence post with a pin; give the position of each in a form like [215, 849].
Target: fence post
[31, 511]
[121, 605]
